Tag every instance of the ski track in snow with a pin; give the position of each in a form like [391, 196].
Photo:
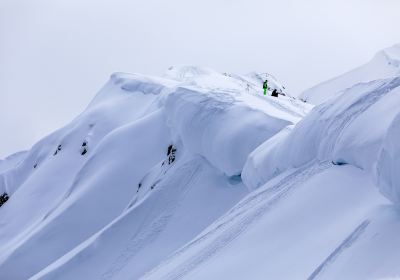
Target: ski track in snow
[347, 243]
[149, 229]
[240, 218]
[341, 122]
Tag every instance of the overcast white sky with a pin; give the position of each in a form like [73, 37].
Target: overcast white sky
[55, 55]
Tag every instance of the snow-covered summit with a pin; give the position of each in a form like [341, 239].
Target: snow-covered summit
[198, 175]
[316, 201]
[206, 77]
[385, 64]
[142, 142]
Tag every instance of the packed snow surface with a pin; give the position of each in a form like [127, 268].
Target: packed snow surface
[198, 175]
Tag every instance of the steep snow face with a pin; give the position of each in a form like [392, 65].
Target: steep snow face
[385, 64]
[388, 165]
[101, 173]
[91, 126]
[175, 202]
[218, 127]
[261, 159]
[60, 170]
[313, 205]
[334, 131]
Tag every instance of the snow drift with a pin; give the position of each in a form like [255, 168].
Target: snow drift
[334, 131]
[313, 204]
[221, 129]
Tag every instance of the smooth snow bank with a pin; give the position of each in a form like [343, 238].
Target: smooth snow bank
[385, 64]
[334, 131]
[388, 165]
[262, 159]
[216, 126]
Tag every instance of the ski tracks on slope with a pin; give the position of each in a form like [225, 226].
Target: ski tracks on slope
[336, 127]
[347, 243]
[166, 204]
[238, 219]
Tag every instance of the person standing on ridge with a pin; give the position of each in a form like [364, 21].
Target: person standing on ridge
[265, 87]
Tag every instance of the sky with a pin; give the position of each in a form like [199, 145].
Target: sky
[55, 55]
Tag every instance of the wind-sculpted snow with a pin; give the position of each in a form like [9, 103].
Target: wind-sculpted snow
[215, 125]
[206, 78]
[385, 64]
[198, 175]
[123, 86]
[335, 131]
[80, 179]
[262, 160]
[388, 165]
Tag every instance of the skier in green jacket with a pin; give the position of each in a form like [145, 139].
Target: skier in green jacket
[265, 87]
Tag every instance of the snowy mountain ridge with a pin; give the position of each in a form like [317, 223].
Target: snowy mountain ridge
[314, 205]
[138, 136]
[198, 175]
[385, 64]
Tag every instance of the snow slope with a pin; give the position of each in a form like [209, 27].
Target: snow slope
[197, 175]
[387, 175]
[334, 131]
[106, 176]
[284, 230]
[315, 210]
[385, 64]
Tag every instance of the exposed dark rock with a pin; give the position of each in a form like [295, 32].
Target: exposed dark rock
[3, 198]
[171, 153]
